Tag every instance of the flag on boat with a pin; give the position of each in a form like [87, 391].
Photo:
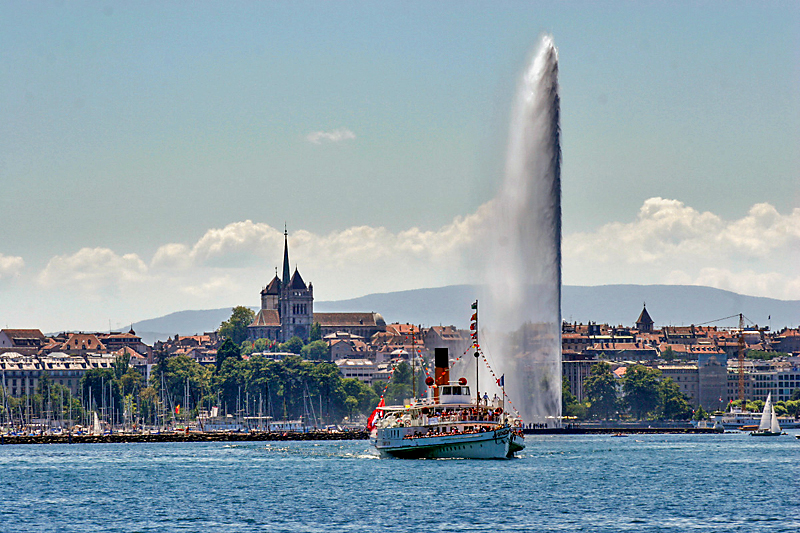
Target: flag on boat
[502, 381]
[178, 409]
[377, 413]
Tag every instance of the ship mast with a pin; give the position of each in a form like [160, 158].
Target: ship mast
[474, 327]
[413, 367]
[741, 359]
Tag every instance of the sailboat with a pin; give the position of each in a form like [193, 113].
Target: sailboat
[97, 429]
[768, 427]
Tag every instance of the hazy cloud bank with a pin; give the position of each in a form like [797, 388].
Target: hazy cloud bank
[10, 266]
[666, 242]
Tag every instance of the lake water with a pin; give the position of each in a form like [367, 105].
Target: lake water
[730, 482]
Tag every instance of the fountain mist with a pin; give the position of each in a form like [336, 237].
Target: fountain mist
[522, 317]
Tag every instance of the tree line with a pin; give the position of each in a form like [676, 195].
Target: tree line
[647, 395]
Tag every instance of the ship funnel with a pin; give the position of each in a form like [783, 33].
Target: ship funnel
[441, 361]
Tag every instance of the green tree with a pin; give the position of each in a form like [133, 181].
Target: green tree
[99, 385]
[315, 333]
[130, 382]
[793, 407]
[764, 356]
[673, 403]
[121, 364]
[149, 404]
[293, 345]
[601, 390]
[570, 405]
[316, 351]
[160, 354]
[235, 328]
[177, 372]
[227, 350]
[366, 397]
[246, 348]
[700, 414]
[641, 387]
[668, 354]
[399, 387]
[351, 404]
[796, 394]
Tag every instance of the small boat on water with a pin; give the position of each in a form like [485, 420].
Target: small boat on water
[449, 423]
[769, 426]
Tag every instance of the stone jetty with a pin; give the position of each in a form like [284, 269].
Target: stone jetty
[182, 437]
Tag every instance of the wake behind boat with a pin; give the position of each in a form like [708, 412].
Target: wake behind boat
[447, 424]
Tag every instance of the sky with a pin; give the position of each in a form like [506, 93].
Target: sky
[151, 152]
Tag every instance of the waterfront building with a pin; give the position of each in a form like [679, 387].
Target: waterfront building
[576, 371]
[21, 373]
[116, 340]
[364, 370]
[21, 341]
[686, 376]
[344, 345]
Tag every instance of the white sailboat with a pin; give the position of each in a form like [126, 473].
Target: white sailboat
[769, 426]
[97, 429]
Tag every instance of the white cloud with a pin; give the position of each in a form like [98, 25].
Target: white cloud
[667, 242]
[233, 246]
[93, 269]
[334, 136]
[670, 242]
[10, 266]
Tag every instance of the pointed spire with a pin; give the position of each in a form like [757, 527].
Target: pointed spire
[285, 280]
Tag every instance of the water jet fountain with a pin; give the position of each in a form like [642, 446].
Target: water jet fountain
[521, 312]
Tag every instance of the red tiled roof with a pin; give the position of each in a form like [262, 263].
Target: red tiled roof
[345, 319]
[267, 317]
[23, 333]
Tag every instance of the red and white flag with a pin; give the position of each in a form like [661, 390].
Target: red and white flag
[376, 414]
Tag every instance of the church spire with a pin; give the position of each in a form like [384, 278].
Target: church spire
[285, 280]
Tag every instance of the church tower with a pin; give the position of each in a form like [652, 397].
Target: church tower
[644, 324]
[296, 303]
[271, 294]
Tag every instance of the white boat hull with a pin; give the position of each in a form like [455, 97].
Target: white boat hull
[500, 443]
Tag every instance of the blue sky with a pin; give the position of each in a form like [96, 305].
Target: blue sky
[150, 153]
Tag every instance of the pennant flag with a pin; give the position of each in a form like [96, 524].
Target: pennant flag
[475, 305]
[177, 409]
[377, 413]
[474, 317]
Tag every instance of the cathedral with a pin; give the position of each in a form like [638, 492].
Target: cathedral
[287, 310]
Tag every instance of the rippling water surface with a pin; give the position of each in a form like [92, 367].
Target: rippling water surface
[730, 482]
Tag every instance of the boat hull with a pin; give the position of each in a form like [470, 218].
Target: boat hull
[766, 434]
[500, 443]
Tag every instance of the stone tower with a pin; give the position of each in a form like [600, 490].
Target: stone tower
[296, 301]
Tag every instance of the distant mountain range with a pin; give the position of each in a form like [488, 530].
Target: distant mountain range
[614, 304]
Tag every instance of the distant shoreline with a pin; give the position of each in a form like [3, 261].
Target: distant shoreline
[618, 431]
[310, 436]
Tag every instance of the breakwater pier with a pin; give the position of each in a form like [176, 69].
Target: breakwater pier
[191, 436]
[194, 436]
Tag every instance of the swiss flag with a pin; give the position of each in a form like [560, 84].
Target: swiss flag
[377, 413]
